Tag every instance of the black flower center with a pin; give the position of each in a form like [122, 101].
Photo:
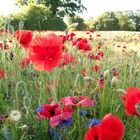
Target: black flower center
[52, 112]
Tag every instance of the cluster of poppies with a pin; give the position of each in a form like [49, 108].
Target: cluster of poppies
[58, 114]
[48, 52]
[111, 127]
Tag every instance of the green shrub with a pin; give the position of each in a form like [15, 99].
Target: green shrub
[107, 21]
[37, 17]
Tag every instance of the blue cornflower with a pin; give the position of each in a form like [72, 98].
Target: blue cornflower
[93, 122]
[65, 123]
[59, 137]
[51, 132]
[40, 109]
[54, 134]
[83, 112]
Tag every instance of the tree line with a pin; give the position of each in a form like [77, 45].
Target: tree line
[49, 15]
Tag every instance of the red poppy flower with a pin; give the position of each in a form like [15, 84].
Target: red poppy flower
[92, 30]
[24, 63]
[71, 35]
[24, 37]
[101, 82]
[83, 71]
[124, 47]
[96, 68]
[65, 114]
[90, 38]
[116, 73]
[118, 46]
[92, 133]
[4, 46]
[64, 38]
[91, 56]
[99, 55]
[49, 110]
[111, 128]
[83, 45]
[74, 43]
[131, 98]
[2, 73]
[99, 46]
[77, 101]
[55, 113]
[68, 59]
[46, 52]
[87, 32]
[3, 117]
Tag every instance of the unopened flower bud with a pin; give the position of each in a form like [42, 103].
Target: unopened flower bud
[24, 127]
[114, 81]
[106, 73]
[121, 91]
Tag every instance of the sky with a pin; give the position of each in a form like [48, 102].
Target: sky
[7, 7]
[94, 7]
[97, 7]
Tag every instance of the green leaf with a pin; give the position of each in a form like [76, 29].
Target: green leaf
[137, 106]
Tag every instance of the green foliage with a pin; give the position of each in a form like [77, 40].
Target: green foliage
[58, 7]
[37, 17]
[120, 20]
[135, 18]
[76, 19]
[125, 21]
[108, 21]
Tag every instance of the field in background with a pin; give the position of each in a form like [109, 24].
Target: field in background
[129, 38]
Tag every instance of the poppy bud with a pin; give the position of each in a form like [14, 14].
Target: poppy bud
[114, 81]
[24, 127]
[121, 91]
[106, 73]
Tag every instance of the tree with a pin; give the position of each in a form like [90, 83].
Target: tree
[58, 7]
[107, 21]
[37, 17]
[125, 20]
[135, 18]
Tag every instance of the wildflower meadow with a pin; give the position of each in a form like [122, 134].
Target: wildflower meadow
[69, 85]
